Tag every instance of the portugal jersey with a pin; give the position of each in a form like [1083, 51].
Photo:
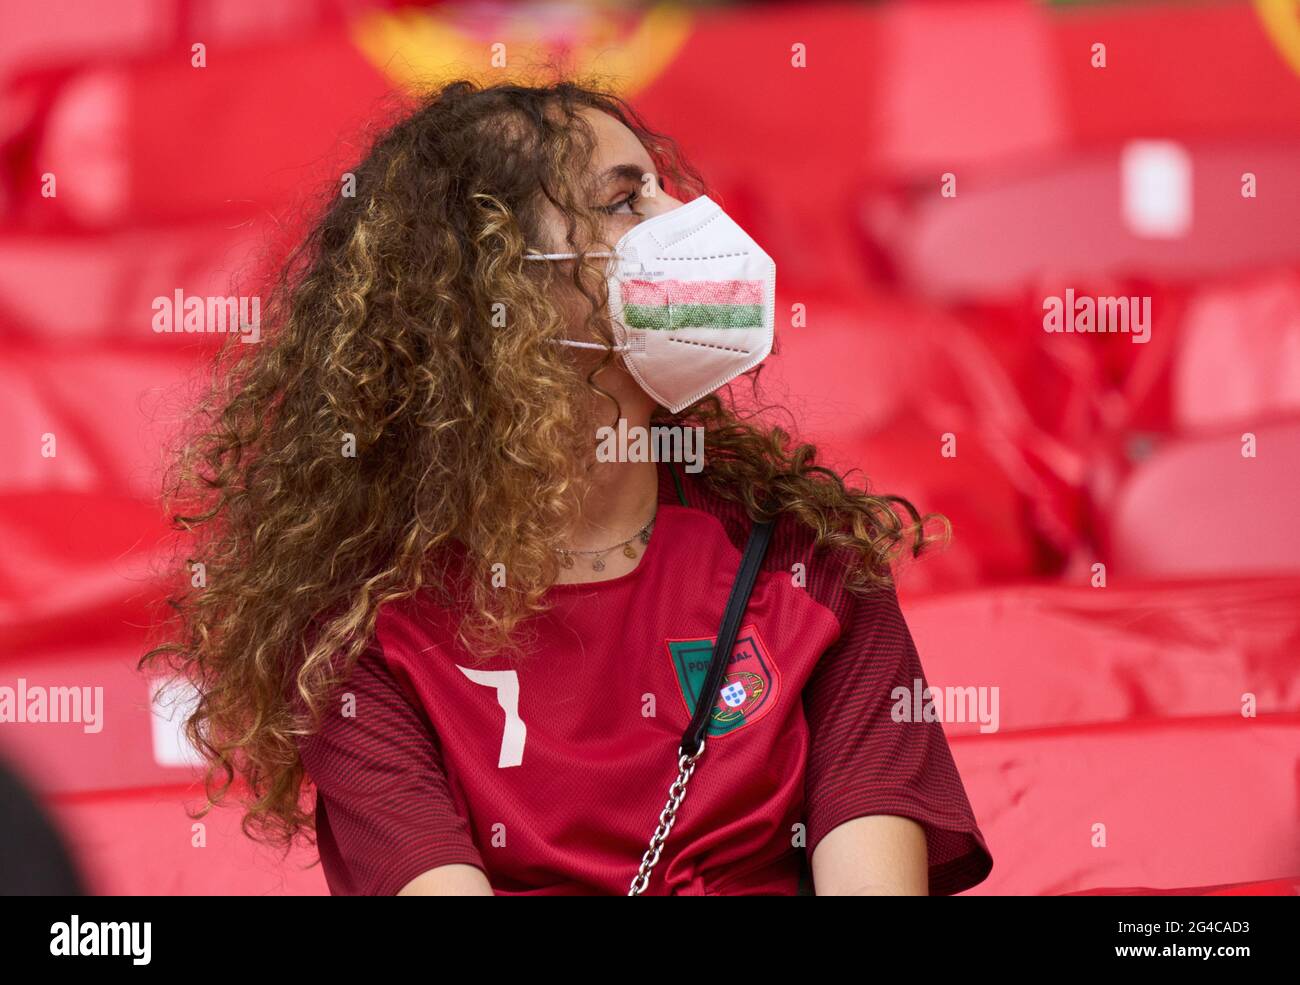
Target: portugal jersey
[549, 772]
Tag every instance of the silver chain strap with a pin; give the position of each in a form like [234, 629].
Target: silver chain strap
[667, 817]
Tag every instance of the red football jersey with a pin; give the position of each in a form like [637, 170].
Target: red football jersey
[549, 773]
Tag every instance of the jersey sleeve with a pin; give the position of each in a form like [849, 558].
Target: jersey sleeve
[863, 762]
[384, 809]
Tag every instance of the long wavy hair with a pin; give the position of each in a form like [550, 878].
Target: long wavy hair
[405, 408]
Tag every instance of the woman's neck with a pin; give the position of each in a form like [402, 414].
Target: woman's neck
[621, 498]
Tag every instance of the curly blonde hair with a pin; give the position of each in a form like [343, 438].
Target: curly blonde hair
[405, 407]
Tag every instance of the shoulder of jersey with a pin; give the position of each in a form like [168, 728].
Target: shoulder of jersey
[793, 541]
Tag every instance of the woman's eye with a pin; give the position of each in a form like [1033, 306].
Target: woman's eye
[618, 207]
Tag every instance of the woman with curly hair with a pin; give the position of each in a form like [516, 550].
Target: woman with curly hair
[435, 597]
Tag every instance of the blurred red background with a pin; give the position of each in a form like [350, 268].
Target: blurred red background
[1121, 703]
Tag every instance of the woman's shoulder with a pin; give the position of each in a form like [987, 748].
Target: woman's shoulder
[797, 548]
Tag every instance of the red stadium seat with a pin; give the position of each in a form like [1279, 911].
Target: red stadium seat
[879, 383]
[1239, 355]
[142, 842]
[83, 525]
[1065, 656]
[1006, 228]
[118, 275]
[1199, 507]
[1122, 707]
[1180, 802]
[1263, 887]
[121, 749]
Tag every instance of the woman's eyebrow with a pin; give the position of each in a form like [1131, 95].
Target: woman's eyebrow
[632, 172]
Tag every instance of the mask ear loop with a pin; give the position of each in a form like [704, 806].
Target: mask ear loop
[564, 256]
[571, 342]
[593, 345]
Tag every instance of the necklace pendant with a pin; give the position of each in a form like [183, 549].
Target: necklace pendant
[629, 551]
[598, 564]
[566, 560]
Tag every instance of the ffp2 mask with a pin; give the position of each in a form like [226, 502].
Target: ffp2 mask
[692, 300]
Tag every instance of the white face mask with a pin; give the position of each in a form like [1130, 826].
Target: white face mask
[692, 299]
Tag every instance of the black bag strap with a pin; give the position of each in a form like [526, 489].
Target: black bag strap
[693, 738]
[750, 563]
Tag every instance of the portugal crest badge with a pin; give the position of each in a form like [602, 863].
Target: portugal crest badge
[750, 684]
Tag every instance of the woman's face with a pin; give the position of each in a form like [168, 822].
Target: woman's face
[626, 189]
[624, 178]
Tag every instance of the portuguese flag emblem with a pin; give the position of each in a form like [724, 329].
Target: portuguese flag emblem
[749, 687]
[672, 304]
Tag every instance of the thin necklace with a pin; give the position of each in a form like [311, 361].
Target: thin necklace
[598, 564]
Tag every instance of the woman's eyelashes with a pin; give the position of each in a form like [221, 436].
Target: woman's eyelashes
[624, 206]
[627, 201]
